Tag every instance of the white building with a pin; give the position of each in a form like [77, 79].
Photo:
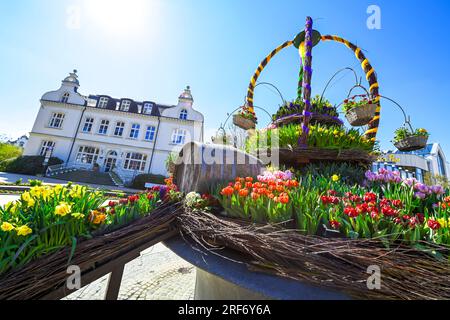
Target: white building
[121, 135]
[430, 160]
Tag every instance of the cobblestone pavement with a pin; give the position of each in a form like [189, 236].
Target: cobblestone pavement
[158, 274]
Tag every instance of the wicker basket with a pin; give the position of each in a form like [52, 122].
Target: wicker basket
[316, 118]
[412, 143]
[360, 116]
[298, 157]
[243, 123]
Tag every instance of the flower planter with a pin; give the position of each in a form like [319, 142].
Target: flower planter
[316, 118]
[45, 277]
[412, 143]
[362, 115]
[299, 156]
[243, 123]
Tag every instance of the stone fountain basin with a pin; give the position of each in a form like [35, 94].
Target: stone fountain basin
[222, 278]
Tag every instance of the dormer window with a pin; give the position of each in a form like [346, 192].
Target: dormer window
[147, 108]
[183, 114]
[125, 105]
[103, 102]
[65, 97]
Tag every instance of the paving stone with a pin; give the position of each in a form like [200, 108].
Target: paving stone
[158, 274]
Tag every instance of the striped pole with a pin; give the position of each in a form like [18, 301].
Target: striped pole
[262, 65]
[301, 51]
[371, 77]
[307, 75]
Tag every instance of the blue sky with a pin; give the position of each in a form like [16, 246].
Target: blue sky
[152, 49]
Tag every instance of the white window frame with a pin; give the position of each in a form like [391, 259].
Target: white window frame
[103, 102]
[134, 131]
[150, 133]
[65, 97]
[87, 155]
[183, 114]
[147, 108]
[103, 127]
[45, 145]
[125, 105]
[135, 161]
[88, 124]
[120, 125]
[179, 136]
[56, 120]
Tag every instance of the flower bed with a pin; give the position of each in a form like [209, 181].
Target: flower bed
[399, 225]
[318, 107]
[389, 208]
[325, 143]
[46, 219]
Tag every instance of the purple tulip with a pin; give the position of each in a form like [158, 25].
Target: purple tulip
[438, 190]
[420, 195]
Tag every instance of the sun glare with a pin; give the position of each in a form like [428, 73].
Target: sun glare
[119, 16]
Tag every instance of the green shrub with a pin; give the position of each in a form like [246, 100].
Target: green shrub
[8, 151]
[31, 165]
[35, 183]
[140, 180]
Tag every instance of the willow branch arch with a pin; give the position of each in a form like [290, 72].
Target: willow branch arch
[369, 71]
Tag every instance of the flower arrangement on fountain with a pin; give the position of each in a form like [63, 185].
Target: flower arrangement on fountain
[319, 106]
[248, 114]
[319, 136]
[245, 118]
[359, 109]
[264, 200]
[387, 207]
[352, 102]
[409, 140]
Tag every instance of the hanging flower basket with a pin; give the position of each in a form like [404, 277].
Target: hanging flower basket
[409, 140]
[243, 123]
[412, 143]
[359, 113]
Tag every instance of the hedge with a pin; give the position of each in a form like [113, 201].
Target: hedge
[140, 180]
[30, 165]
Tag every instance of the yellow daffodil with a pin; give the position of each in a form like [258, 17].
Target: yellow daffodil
[26, 197]
[7, 227]
[23, 230]
[63, 209]
[12, 207]
[77, 191]
[57, 189]
[40, 192]
[335, 178]
[77, 215]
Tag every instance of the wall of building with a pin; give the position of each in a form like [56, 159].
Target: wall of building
[76, 108]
